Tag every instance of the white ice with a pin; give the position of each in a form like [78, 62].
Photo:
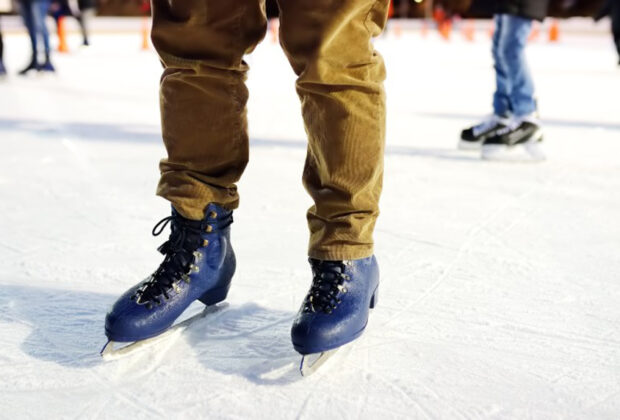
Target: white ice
[500, 293]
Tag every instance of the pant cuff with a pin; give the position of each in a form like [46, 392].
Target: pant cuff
[341, 253]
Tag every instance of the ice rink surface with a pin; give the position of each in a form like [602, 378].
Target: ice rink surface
[500, 294]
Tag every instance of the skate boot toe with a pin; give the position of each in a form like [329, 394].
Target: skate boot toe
[129, 320]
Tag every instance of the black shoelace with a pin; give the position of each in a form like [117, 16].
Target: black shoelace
[328, 278]
[179, 249]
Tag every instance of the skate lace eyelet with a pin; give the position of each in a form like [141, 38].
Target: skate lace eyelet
[205, 243]
[213, 215]
[209, 229]
[327, 286]
[197, 255]
[194, 268]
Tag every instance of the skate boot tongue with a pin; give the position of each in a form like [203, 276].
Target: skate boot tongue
[185, 238]
[327, 285]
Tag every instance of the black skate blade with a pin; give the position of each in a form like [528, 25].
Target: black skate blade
[527, 151]
[109, 352]
[310, 363]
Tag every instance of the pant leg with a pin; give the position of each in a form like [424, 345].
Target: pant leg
[84, 19]
[25, 9]
[1, 42]
[516, 33]
[340, 84]
[39, 14]
[501, 97]
[203, 97]
[615, 23]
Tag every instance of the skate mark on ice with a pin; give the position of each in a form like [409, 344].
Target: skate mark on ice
[398, 389]
[472, 237]
[249, 341]
[131, 400]
[237, 323]
[135, 133]
[12, 249]
[81, 160]
[67, 326]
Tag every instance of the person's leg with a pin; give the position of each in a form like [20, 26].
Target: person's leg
[201, 44]
[84, 19]
[516, 32]
[340, 85]
[39, 10]
[501, 97]
[2, 68]
[25, 10]
[1, 42]
[520, 139]
[615, 24]
[473, 137]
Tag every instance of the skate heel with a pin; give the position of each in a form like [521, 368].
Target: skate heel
[218, 294]
[375, 298]
[214, 296]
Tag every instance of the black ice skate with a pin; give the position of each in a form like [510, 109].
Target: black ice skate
[517, 142]
[32, 66]
[46, 67]
[473, 137]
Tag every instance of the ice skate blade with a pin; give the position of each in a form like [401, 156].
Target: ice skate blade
[108, 352]
[310, 363]
[525, 152]
[469, 145]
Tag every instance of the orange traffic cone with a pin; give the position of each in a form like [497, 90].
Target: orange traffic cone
[62, 36]
[424, 28]
[554, 31]
[145, 33]
[445, 29]
[535, 33]
[274, 27]
[398, 31]
[469, 30]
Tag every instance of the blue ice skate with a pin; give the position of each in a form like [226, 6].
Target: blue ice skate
[335, 311]
[199, 264]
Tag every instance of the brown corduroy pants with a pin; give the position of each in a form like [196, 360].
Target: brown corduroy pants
[203, 97]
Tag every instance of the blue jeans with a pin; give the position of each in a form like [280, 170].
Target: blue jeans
[34, 12]
[514, 93]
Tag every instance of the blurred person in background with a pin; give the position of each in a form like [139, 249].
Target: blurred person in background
[88, 9]
[34, 13]
[82, 10]
[612, 8]
[5, 7]
[513, 130]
